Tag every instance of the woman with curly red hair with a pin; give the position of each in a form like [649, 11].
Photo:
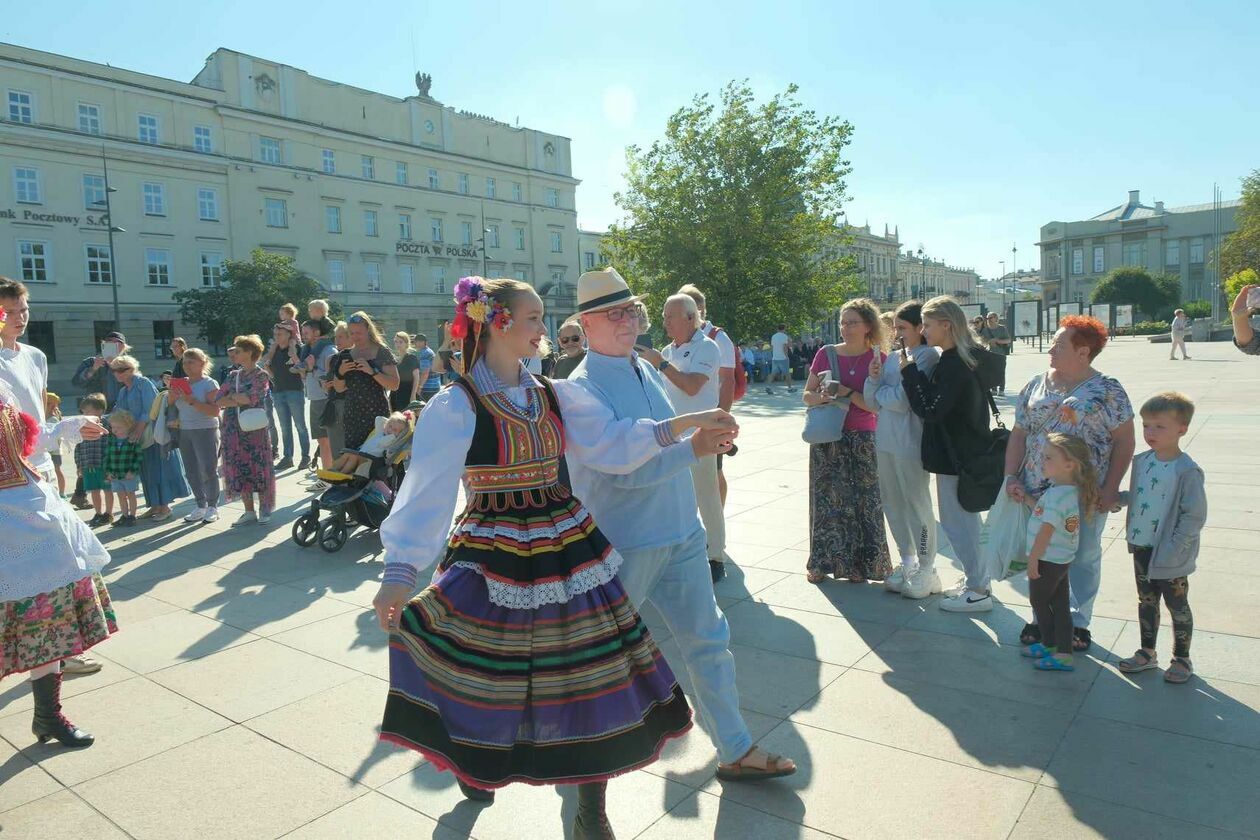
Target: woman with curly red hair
[1073, 398]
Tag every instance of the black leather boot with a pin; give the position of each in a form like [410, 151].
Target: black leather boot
[49, 722]
[475, 794]
[591, 822]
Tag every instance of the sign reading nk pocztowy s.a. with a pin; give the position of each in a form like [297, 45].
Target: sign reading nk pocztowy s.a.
[40, 217]
[437, 249]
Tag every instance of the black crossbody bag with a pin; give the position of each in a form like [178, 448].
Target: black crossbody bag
[981, 478]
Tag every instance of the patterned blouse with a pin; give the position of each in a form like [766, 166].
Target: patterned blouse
[1092, 412]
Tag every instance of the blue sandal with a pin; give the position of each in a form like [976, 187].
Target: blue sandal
[1036, 651]
[1053, 663]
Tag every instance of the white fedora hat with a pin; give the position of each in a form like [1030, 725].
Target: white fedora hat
[602, 289]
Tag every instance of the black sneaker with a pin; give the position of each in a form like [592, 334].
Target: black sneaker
[284, 464]
[303, 464]
[94, 521]
[717, 570]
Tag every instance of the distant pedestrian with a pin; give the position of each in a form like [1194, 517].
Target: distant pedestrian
[572, 347]
[998, 338]
[199, 436]
[1180, 325]
[248, 469]
[780, 362]
[162, 471]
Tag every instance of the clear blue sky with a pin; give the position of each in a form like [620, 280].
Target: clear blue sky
[975, 122]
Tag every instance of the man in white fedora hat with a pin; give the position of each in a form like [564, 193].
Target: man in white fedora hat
[650, 516]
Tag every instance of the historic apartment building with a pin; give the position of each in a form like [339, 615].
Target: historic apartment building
[1164, 240]
[922, 277]
[386, 201]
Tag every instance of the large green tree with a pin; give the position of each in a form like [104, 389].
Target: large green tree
[740, 198]
[1241, 249]
[1153, 295]
[248, 297]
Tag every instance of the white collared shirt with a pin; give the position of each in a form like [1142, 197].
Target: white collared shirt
[699, 355]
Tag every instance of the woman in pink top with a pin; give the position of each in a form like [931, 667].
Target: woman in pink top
[846, 517]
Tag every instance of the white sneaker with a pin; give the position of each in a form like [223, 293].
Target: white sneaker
[967, 601]
[264, 518]
[921, 584]
[212, 514]
[247, 518]
[197, 515]
[317, 486]
[895, 581]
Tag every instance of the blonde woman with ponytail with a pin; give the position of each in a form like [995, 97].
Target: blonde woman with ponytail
[955, 414]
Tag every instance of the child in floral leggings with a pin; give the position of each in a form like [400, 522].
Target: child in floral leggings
[1167, 509]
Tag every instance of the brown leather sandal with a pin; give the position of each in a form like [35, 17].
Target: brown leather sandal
[776, 766]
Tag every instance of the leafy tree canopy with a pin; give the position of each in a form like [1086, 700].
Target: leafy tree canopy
[1154, 296]
[1241, 249]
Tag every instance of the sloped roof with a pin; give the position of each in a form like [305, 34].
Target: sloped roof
[1124, 212]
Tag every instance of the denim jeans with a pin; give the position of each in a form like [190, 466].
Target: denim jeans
[677, 580]
[291, 406]
[1085, 574]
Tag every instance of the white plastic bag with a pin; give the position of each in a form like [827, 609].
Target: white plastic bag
[1003, 538]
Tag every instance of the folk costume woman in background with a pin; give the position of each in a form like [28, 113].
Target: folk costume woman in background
[523, 660]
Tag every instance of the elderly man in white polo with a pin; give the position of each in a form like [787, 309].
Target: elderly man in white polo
[650, 516]
[690, 364]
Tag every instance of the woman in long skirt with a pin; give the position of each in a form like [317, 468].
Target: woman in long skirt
[524, 660]
[846, 517]
[53, 603]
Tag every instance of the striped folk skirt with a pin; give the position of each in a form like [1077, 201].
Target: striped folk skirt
[554, 680]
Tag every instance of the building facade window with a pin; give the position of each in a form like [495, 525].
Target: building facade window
[370, 226]
[438, 274]
[337, 275]
[42, 334]
[89, 118]
[1099, 262]
[404, 225]
[202, 140]
[33, 261]
[157, 266]
[1196, 251]
[400, 173]
[519, 234]
[211, 269]
[521, 274]
[557, 243]
[154, 198]
[588, 262]
[407, 280]
[1134, 253]
[372, 270]
[557, 275]
[21, 107]
[367, 165]
[463, 183]
[207, 204]
[492, 236]
[516, 191]
[435, 230]
[490, 188]
[1078, 260]
[434, 183]
[99, 271]
[277, 212]
[163, 335]
[93, 192]
[269, 150]
[26, 185]
[147, 129]
[329, 161]
[332, 218]
[1172, 253]
[465, 233]
[553, 197]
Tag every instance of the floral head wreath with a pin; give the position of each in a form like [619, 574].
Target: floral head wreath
[473, 307]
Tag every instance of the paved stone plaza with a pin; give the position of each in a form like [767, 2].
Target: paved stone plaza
[241, 697]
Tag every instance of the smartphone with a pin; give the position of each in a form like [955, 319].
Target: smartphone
[109, 350]
[1253, 298]
[832, 388]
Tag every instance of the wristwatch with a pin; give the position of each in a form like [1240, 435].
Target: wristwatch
[664, 364]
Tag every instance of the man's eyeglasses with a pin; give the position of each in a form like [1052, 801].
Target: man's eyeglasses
[622, 312]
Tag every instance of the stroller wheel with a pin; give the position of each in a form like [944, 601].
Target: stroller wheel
[305, 529]
[333, 535]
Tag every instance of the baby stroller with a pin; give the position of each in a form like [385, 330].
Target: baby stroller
[362, 499]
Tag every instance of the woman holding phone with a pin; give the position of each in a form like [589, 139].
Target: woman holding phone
[846, 518]
[369, 372]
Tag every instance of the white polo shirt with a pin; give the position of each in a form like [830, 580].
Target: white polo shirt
[700, 355]
[726, 347]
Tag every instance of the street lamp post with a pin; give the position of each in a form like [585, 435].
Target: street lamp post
[111, 228]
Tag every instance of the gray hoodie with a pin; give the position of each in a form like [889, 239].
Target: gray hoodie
[899, 431]
[1177, 543]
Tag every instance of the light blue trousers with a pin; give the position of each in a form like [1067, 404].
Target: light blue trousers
[1085, 573]
[677, 580]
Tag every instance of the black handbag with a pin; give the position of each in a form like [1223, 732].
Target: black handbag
[981, 478]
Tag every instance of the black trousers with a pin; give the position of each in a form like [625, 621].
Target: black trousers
[1052, 606]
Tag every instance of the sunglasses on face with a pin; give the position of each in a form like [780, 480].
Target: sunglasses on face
[570, 339]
